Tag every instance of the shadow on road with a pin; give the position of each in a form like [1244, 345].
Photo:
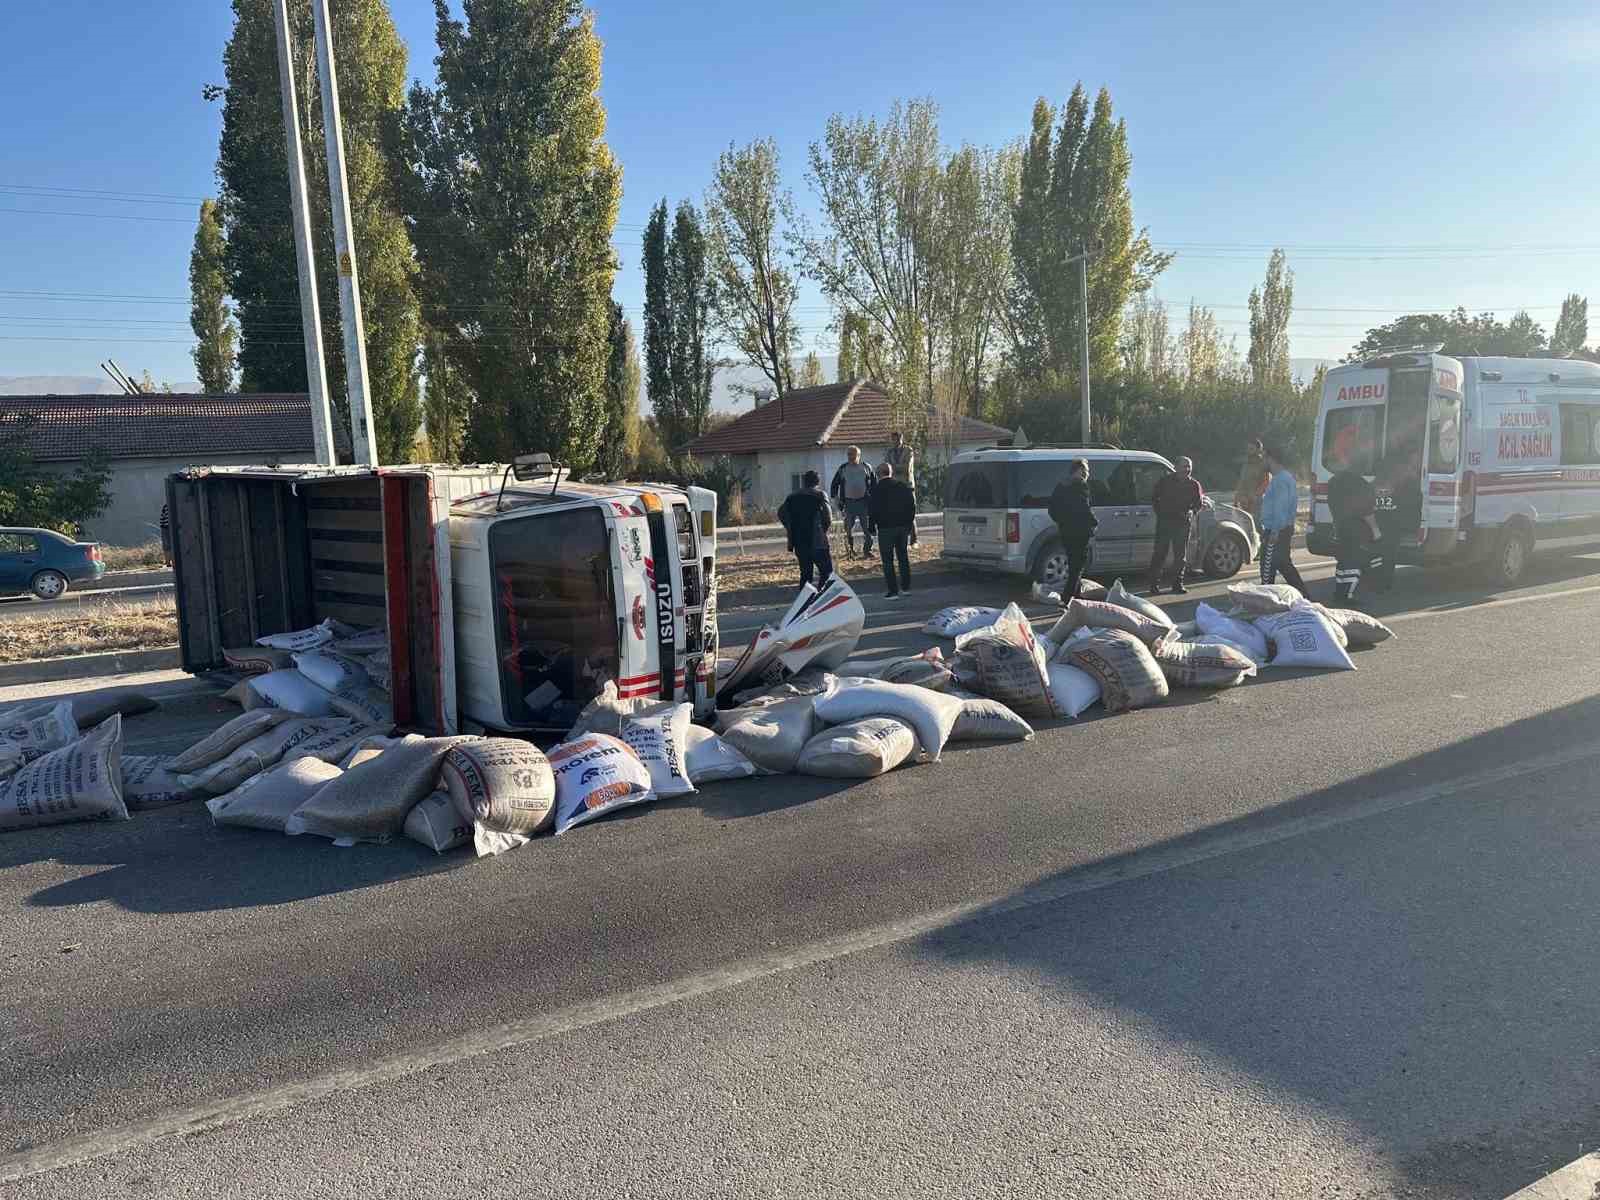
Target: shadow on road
[1426, 975]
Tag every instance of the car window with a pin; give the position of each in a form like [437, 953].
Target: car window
[18, 543]
[1145, 477]
[1100, 472]
[977, 485]
[1033, 482]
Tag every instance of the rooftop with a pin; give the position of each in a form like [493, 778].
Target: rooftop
[856, 411]
[168, 425]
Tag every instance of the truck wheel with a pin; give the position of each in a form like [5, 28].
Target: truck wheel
[1225, 556]
[49, 585]
[1510, 559]
[1050, 568]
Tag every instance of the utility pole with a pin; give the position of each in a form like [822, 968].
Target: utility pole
[355, 339]
[1082, 259]
[310, 318]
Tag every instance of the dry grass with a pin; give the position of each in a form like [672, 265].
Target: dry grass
[65, 630]
[780, 570]
[134, 558]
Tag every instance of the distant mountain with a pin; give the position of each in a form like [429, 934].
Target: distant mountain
[72, 385]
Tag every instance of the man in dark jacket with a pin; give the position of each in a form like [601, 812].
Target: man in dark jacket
[1070, 509]
[806, 519]
[1177, 498]
[894, 512]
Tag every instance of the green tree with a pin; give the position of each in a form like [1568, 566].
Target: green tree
[620, 442]
[36, 496]
[209, 315]
[811, 374]
[445, 402]
[1270, 307]
[754, 294]
[253, 168]
[689, 286]
[512, 194]
[1148, 351]
[658, 331]
[1073, 195]
[1572, 327]
[1456, 333]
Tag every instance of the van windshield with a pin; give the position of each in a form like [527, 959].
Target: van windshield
[1350, 439]
[555, 620]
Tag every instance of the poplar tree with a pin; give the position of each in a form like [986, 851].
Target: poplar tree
[658, 331]
[1270, 307]
[209, 315]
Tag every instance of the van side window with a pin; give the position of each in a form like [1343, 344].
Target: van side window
[1145, 478]
[1100, 472]
[1120, 486]
[1580, 439]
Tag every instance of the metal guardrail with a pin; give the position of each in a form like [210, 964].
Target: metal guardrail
[739, 540]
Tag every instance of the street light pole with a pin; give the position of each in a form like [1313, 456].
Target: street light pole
[310, 318]
[1082, 259]
[355, 340]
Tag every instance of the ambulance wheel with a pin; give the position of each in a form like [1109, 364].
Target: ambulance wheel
[1510, 560]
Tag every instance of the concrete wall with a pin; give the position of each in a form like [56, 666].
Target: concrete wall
[139, 489]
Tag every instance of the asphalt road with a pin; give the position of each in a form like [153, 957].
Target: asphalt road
[1324, 934]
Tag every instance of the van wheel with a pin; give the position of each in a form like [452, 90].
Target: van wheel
[1510, 560]
[1225, 556]
[1050, 568]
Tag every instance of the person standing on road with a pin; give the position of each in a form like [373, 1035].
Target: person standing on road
[894, 513]
[1253, 479]
[852, 489]
[1073, 514]
[1398, 501]
[900, 457]
[1178, 496]
[1353, 502]
[1278, 507]
[806, 519]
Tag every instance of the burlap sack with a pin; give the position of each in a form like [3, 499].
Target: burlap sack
[370, 803]
[268, 800]
[1129, 676]
[503, 784]
[858, 749]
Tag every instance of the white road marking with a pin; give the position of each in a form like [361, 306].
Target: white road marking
[514, 1035]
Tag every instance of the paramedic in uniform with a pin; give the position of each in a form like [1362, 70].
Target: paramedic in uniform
[1353, 504]
[1399, 506]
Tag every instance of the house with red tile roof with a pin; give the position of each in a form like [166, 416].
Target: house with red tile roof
[813, 428]
[147, 437]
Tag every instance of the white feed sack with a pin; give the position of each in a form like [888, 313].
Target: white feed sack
[268, 800]
[148, 781]
[662, 743]
[1074, 689]
[596, 774]
[369, 803]
[337, 740]
[858, 749]
[292, 692]
[956, 620]
[330, 671]
[1098, 614]
[1209, 665]
[770, 735]
[984, 720]
[222, 742]
[1304, 637]
[1360, 629]
[257, 660]
[606, 712]
[1128, 675]
[78, 782]
[1214, 639]
[928, 670]
[1123, 598]
[710, 759]
[436, 823]
[1264, 599]
[300, 639]
[363, 644]
[504, 785]
[30, 731]
[1242, 633]
[931, 715]
[1011, 668]
[365, 702]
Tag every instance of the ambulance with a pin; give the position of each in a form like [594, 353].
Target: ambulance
[510, 594]
[1487, 455]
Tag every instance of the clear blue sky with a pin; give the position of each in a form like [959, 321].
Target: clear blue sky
[1351, 134]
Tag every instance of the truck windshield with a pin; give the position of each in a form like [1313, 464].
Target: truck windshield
[1350, 438]
[556, 621]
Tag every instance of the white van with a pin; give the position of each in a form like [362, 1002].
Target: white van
[1509, 451]
[995, 514]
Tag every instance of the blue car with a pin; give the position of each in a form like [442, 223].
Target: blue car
[45, 563]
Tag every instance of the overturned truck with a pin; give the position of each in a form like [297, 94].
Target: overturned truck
[510, 595]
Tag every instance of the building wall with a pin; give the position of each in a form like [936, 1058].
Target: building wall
[139, 489]
[771, 475]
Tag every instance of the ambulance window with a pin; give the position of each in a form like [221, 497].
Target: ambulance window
[1350, 438]
[555, 617]
[1444, 435]
[1580, 438]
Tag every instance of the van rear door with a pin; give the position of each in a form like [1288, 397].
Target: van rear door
[976, 516]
